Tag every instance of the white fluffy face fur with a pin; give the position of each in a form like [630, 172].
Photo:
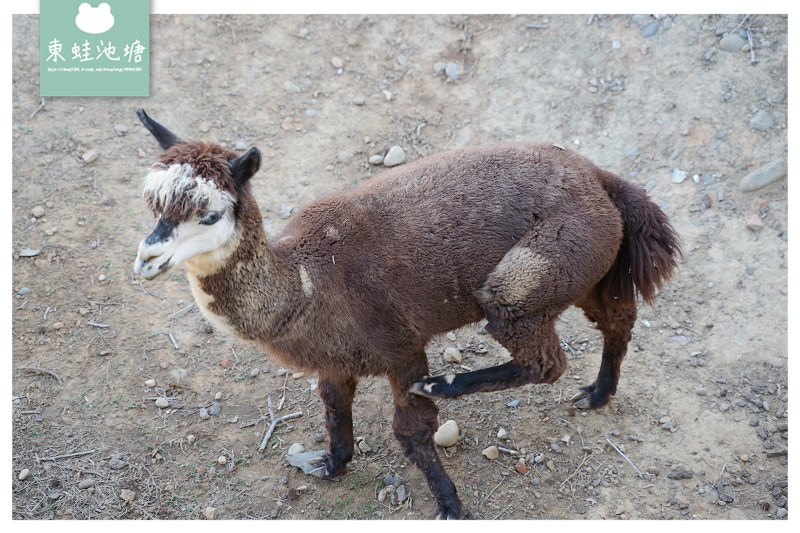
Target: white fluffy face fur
[206, 231]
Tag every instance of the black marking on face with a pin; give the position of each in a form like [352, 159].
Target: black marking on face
[162, 232]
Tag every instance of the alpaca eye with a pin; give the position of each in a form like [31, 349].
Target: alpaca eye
[211, 218]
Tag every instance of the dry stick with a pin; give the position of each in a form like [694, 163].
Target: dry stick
[626, 458]
[40, 371]
[275, 423]
[56, 457]
[753, 58]
[38, 109]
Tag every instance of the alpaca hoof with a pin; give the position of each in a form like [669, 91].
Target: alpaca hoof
[590, 397]
[447, 513]
[310, 462]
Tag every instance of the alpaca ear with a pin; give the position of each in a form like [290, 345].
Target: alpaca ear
[245, 166]
[166, 139]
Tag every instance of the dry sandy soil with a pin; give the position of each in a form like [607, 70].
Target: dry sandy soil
[702, 408]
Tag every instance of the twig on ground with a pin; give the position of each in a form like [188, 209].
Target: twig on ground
[40, 371]
[41, 106]
[626, 458]
[67, 456]
[172, 338]
[275, 422]
[753, 58]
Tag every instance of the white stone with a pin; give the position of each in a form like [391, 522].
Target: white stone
[395, 156]
[447, 434]
[491, 453]
[452, 355]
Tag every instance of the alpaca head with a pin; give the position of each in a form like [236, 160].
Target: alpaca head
[193, 192]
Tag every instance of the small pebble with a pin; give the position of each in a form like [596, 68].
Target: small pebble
[150, 383]
[89, 156]
[127, 495]
[395, 156]
[337, 62]
[732, 43]
[222, 460]
[754, 223]
[452, 355]
[376, 159]
[764, 175]
[447, 434]
[724, 406]
[24, 474]
[203, 414]
[491, 453]
[358, 101]
[744, 458]
[512, 403]
[162, 402]
[701, 391]
[650, 30]
[211, 513]
[37, 211]
[254, 372]
[502, 434]
[761, 121]
[121, 129]
[452, 70]
[281, 372]
[678, 175]
[190, 439]
[781, 512]
[298, 375]
[296, 448]
[86, 483]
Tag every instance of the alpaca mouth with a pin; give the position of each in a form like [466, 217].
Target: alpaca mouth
[151, 268]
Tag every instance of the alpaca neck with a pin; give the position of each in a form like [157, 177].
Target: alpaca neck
[243, 288]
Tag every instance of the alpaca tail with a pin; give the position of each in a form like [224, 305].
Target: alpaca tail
[650, 247]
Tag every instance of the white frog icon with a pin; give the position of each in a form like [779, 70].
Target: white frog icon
[94, 19]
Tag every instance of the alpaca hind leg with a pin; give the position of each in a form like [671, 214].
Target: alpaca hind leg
[337, 394]
[537, 358]
[415, 421]
[615, 319]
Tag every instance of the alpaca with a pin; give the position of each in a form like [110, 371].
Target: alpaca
[359, 281]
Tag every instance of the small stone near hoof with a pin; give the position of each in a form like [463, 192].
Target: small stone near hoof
[447, 434]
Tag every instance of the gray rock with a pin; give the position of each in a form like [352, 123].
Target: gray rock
[240, 146]
[763, 176]
[650, 30]
[452, 70]
[376, 159]
[37, 211]
[86, 483]
[678, 175]
[162, 402]
[296, 448]
[761, 121]
[358, 100]
[731, 43]
[311, 113]
[89, 156]
[395, 156]
[121, 129]
[23, 291]
[291, 87]
[781, 512]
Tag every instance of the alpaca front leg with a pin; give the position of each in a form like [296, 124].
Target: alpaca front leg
[414, 424]
[337, 394]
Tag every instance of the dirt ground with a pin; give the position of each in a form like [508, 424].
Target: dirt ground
[698, 428]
